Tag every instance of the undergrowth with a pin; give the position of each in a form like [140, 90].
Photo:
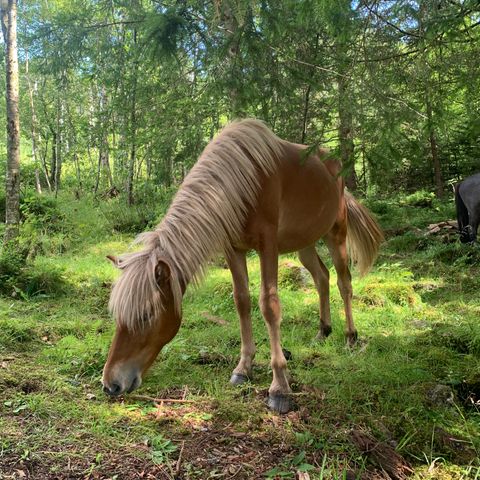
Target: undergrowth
[411, 383]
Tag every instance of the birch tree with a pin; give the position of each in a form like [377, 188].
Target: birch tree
[8, 9]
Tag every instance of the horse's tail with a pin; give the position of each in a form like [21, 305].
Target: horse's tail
[462, 215]
[364, 235]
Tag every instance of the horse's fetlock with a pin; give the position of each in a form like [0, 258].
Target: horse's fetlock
[279, 364]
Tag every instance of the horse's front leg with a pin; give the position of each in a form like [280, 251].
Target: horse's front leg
[278, 394]
[238, 267]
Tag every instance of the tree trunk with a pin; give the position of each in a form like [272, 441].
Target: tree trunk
[53, 162]
[33, 131]
[38, 185]
[12, 201]
[345, 133]
[231, 28]
[437, 167]
[305, 113]
[103, 149]
[58, 145]
[133, 129]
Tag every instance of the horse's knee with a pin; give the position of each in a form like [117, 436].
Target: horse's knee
[242, 301]
[270, 305]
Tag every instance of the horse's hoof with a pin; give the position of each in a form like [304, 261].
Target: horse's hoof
[287, 354]
[280, 403]
[239, 379]
[352, 338]
[323, 333]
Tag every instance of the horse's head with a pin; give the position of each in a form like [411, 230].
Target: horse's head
[145, 301]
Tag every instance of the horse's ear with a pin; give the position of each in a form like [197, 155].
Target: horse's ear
[114, 260]
[162, 272]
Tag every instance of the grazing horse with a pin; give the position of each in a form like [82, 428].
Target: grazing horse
[467, 200]
[248, 190]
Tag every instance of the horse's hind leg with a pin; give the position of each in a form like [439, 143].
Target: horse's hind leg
[312, 262]
[336, 242]
[238, 267]
[474, 223]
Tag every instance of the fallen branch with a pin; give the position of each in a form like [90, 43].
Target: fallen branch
[161, 400]
[179, 461]
[214, 319]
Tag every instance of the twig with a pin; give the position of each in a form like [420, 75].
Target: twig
[179, 461]
[161, 400]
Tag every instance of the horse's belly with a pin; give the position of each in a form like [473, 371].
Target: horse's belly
[308, 208]
[298, 231]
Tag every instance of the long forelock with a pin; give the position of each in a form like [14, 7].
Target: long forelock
[137, 300]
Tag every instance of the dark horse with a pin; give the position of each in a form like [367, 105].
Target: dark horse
[467, 199]
[248, 190]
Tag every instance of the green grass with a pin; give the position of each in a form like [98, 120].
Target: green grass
[417, 314]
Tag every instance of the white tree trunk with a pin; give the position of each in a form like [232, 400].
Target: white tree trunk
[9, 28]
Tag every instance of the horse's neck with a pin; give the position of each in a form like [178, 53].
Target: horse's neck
[182, 248]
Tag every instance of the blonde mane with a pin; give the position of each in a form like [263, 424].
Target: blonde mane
[206, 216]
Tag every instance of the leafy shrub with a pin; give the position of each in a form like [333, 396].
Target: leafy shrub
[18, 275]
[455, 254]
[12, 263]
[421, 198]
[40, 280]
[124, 219]
[139, 217]
[42, 213]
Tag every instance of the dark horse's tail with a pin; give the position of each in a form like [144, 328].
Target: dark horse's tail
[462, 216]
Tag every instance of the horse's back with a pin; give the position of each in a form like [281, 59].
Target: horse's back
[469, 190]
[310, 194]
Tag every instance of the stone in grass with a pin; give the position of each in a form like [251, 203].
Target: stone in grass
[441, 396]
[291, 275]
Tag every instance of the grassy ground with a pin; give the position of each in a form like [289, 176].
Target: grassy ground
[409, 386]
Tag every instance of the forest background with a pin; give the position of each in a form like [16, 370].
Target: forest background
[123, 96]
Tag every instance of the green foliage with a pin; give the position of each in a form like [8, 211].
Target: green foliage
[420, 198]
[19, 275]
[124, 219]
[42, 213]
[13, 258]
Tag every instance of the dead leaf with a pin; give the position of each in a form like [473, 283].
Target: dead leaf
[382, 454]
[214, 319]
[302, 476]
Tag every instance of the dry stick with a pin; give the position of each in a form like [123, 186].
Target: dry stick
[179, 461]
[161, 400]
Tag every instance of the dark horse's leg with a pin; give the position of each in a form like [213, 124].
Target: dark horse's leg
[336, 242]
[474, 223]
[320, 274]
[463, 217]
[278, 393]
[238, 267]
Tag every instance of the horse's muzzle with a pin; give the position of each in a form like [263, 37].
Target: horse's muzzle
[116, 388]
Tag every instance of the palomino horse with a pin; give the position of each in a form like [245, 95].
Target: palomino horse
[467, 200]
[248, 190]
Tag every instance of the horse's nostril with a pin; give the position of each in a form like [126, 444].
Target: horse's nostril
[114, 390]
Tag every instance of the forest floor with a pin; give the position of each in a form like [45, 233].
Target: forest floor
[404, 402]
